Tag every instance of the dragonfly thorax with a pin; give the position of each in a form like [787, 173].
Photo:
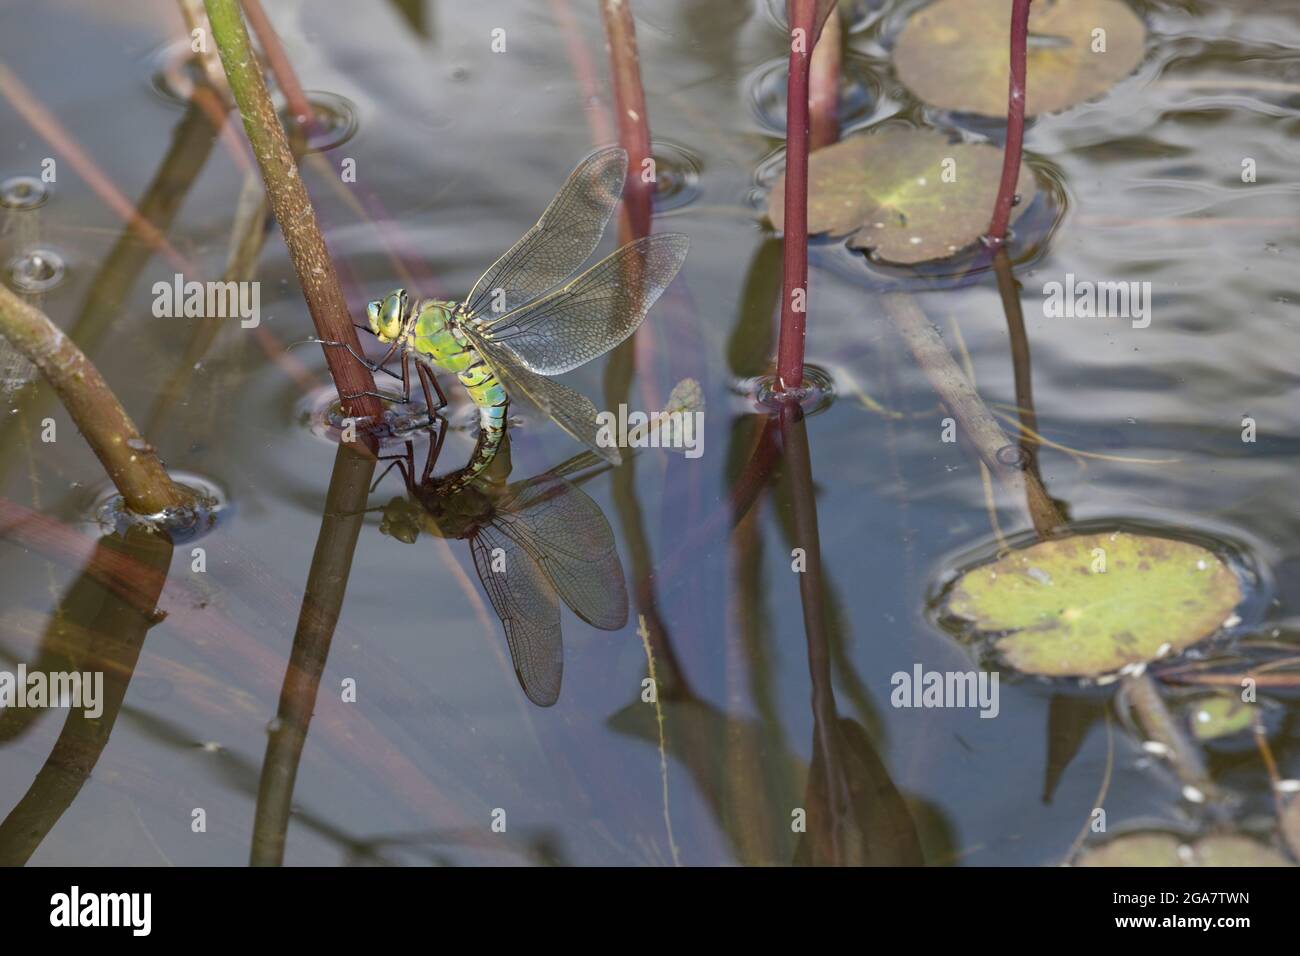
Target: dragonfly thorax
[434, 332]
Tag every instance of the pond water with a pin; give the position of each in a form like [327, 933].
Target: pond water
[456, 151]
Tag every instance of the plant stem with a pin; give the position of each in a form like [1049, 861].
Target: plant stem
[130, 464]
[997, 234]
[281, 68]
[794, 281]
[633, 122]
[322, 603]
[965, 404]
[293, 211]
[1160, 726]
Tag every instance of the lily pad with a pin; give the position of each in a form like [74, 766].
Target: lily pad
[955, 54]
[1092, 604]
[909, 195]
[1167, 849]
[1219, 715]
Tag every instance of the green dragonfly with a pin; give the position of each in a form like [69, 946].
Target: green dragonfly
[523, 322]
[534, 543]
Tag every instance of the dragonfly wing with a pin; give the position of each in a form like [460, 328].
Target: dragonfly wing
[566, 534]
[563, 238]
[529, 610]
[594, 312]
[573, 412]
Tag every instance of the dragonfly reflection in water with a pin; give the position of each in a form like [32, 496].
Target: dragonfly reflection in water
[534, 542]
[519, 325]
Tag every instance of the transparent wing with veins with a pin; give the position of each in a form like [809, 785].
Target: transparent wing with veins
[529, 610]
[559, 243]
[594, 312]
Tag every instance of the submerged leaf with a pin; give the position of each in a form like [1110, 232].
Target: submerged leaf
[909, 195]
[1092, 604]
[1167, 849]
[1219, 715]
[955, 54]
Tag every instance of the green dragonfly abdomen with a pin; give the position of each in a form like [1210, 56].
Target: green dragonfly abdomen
[438, 342]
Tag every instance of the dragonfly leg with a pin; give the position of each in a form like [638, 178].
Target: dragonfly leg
[401, 462]
[427, 378]
[435, 449]
[373, 366]
[354, 395]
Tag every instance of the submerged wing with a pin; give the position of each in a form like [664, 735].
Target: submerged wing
[573, 412]
[566, 534]
[593, 313]
[529, 610]
[563, 238]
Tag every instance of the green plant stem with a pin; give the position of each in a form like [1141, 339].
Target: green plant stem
[969, 409]
[130, 463]
[327, 582]
[293, 210]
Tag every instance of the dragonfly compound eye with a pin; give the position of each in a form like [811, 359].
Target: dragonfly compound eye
[390, 315]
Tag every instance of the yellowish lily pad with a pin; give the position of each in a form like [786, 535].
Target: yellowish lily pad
[908, 195]
[1167, 849]
[1220, 715]
[1093, 604]
[955, 54]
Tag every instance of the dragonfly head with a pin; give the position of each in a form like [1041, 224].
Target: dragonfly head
[386, 315]
[401, 520]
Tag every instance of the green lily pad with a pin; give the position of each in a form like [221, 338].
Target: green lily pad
[1219, 715]
[1167, 849]
[1092, 604]
[955, 54]
[909, 195]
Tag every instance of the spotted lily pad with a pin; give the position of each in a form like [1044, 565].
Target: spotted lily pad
[1168, 849]
[955, 54]
[1093, 604]
[1219, 715]
[909, 195]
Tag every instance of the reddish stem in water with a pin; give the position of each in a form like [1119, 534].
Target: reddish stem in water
[997, 234]
[633, 123]
[794, 280]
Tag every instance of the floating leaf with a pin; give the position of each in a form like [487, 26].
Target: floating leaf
[1167, 849]
[955, 54]
[1135, 849]
[1229, 850]
[1220, 715]
[909, 195]
[1089, 605]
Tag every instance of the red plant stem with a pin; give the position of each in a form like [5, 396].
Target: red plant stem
[278, 61]
[824, 85]
[997, 234]
[634, 137]
[633, 122]
[794, 279]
